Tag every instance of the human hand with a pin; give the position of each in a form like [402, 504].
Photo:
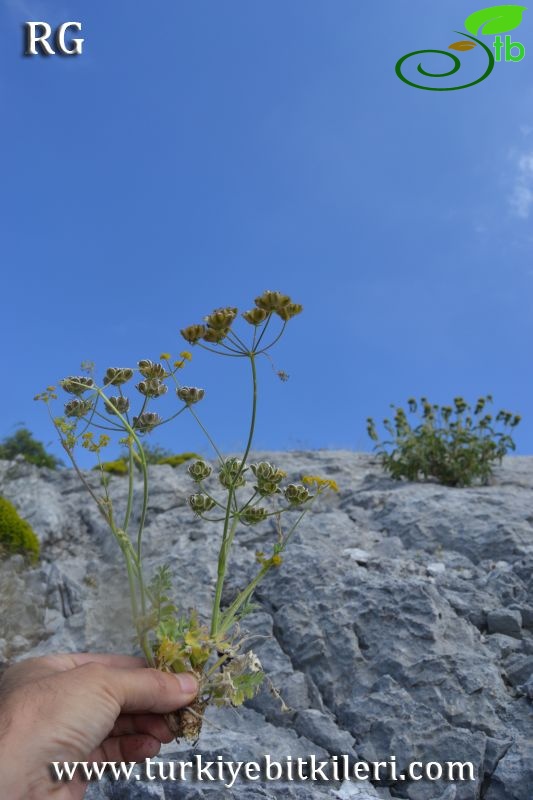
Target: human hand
[81, 707]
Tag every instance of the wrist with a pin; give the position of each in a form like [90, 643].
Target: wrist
[12, 768]
[22, 776]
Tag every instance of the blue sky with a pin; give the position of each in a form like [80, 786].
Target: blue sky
[198, 154]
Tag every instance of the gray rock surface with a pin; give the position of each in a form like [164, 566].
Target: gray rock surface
[400, 622]
[505, 620]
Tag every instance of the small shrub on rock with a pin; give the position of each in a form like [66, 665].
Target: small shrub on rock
[22, 443]
[16, 535]
[452, 444]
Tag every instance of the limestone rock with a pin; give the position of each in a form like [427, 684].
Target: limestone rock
[400, 623]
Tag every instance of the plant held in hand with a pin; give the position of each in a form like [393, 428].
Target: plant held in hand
[454, 445]
[234, 494]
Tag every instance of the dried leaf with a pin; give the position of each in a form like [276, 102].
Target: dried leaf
[464, 44]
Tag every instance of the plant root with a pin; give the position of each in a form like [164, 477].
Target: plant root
[186, 723]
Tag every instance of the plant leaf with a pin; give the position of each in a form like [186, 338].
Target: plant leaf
[464, 44]
[495, 19]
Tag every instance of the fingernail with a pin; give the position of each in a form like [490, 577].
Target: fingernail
[188, 683]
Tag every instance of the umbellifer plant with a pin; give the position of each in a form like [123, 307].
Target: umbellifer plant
[454, 445]
[248, 494]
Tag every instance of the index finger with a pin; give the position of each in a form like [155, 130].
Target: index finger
[120, 660]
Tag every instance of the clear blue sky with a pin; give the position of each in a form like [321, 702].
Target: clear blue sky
[200, 152]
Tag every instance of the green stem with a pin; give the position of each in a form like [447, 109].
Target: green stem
[254, 412]
[141, 634]
[142, 520]
[222, 562]
[236, 340]
[273, 342]
[263, 331]
[228, 618]
[130, 489]
[228, 535]
[218, 353]
[77, 469]
[207, 434]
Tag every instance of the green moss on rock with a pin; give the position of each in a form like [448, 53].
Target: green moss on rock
[16, 535]
[178, 459]
[118, 467]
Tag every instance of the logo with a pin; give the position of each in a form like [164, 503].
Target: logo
[492, 21]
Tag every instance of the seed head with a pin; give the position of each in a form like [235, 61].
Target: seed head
[296, 494]
[255, 316]
[229, 471]
[264, 470]
[268, 478]
[190, 394]
[201, 503]
[272, 301]
[215, 337]
[77, 407]
[147, 422]
[151, 370]
[120, 404]
[76, 384]
[267, 488]
[221, 318]
[251, 516]
[199, 471]
[152, 387]
[289, 311]
[193, 333]
[116, 376]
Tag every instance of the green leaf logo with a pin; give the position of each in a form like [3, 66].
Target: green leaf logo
[496, 19]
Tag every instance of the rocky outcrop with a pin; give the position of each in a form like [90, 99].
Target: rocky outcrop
[400, 623]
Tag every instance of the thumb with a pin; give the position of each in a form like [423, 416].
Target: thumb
[141, 690]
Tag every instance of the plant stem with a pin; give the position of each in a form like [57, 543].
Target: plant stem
[228, 534]
[244, 596]
[222, 562]
[273, 342]
[130, 488]
[228, 618]
[138, 555]
[254, 412]
[207, 434]
[263, 331]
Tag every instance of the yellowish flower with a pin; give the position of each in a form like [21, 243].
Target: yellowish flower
[186, 355]
[165, 356]
[320, 483]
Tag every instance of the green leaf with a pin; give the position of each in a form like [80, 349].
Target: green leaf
[495, 19]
